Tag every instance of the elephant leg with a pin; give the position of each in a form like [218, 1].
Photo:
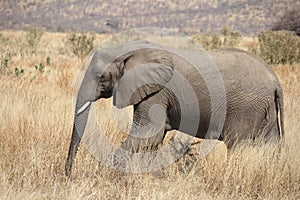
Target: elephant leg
[147, 131]
[135, 145]
[148, 128]
[236, 132]
[271, 131]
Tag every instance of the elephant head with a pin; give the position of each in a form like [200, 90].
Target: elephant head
[127, 73]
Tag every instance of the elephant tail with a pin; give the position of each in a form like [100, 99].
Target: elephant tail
[279, 108]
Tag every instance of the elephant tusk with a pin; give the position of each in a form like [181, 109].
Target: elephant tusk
[83, 107]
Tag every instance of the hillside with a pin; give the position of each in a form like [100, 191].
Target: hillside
[103, 16]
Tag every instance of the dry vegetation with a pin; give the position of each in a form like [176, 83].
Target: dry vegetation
[36, 122]
[103, 16]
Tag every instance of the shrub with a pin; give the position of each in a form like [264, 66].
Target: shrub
[227, 38]
[48, 62]
[209, 41]
[19, 71]
[33, 37]
[80, 44]
[40, 67]
[279, 47]
[231, 37]
[5, 63]
[4, 66]
[4, 43]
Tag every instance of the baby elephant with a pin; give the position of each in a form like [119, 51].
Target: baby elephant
[227, 94]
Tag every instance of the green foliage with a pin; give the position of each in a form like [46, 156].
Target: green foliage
[80, 44]
[40, 67]
[33, 37]
[209, 41]
[48, 62]
[279, 47]
[4, 45]
[5, 63]
[231, 37]
[227, 38]
[4, 66]
[6, 70]
[19, 71]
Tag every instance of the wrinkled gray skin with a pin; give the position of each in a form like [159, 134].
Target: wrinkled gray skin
[253, 94]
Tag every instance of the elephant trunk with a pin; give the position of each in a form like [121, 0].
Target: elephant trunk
[75, 140]
[80, 120]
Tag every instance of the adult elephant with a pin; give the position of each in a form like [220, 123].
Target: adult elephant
[252, 100]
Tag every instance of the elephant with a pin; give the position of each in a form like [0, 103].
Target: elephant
[253, 101]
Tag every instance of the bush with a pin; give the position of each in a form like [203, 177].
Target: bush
[4, 66]
[4, 43]
[279, 47]
[80, 44]
[227, 38]
[33, 37]
[209, 41]
[231, 37]
[40, 67]
[19, 71]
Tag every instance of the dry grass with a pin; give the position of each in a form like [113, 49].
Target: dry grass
[36, 123]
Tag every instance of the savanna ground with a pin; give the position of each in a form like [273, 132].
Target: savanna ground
[36, 123]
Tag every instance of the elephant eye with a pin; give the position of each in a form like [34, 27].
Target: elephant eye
[104, 78]
[100, 77]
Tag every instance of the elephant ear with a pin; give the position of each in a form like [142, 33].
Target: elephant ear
[139, 82]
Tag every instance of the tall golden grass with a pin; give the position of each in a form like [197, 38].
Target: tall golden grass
[36, 123]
